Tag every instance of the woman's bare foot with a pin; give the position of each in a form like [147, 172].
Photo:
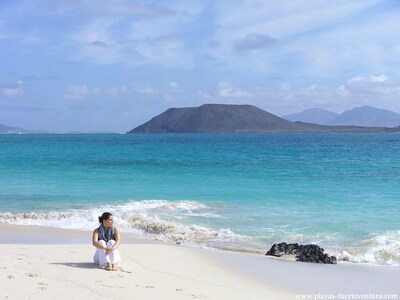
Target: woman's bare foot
[109, 267]
[114, 268]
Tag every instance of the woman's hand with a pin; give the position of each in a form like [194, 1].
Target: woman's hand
[109, 250]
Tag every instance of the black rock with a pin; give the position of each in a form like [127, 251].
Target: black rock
[277, 250]
[306, 253]
[293, 248]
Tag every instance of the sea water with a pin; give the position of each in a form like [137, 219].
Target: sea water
[241, 192]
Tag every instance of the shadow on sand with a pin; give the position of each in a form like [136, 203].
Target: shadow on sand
[81, 265]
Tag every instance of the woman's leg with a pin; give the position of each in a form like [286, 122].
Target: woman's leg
[102, 259]
[115, 257]
[96, 257]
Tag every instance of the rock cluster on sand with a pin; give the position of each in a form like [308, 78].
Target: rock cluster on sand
[307, 253]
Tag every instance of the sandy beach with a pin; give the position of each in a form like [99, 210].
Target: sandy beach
[49, 263]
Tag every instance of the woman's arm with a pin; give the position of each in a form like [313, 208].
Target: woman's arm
[117, 239]
[95, 241]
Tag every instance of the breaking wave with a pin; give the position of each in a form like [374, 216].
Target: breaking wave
[199, 225]
[383, 249]
[159, 219]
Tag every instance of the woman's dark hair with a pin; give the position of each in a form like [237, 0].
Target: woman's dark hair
[105, 216]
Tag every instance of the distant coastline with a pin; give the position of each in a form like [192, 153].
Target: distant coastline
[229, 118]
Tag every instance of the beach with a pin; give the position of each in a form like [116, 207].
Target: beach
[49, 263]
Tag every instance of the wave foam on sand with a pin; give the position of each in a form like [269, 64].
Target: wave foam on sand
[168, 221]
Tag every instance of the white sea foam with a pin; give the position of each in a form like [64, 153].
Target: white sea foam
[178, 222]
[158, 219]
[379, 249]
[72, 219]
[170, 231]
[86, 218]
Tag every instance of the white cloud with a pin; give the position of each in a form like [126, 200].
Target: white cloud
[164, 52]
[116, 91]
[81, 91]
[136, 34]
[278, 20]
[181, 18]
[175, 87]
[143, 89]
[225, 92]
[12, 91]
[110, 41]
[169, 99]
[96, 43]
[135, 10]
[233, 93]
[313, 38]
[370, 79]
[254, 41]
[375, 90]
[373, 87]
[228, 90]
[367, 46]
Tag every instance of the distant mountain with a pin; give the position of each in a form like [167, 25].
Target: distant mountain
[215, 118]
[367, 116]
[4, 129]
[223, 118]
[313, 115]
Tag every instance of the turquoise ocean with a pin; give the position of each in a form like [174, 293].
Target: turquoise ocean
[241, 192]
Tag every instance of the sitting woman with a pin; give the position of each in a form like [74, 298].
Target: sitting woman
[106, 238]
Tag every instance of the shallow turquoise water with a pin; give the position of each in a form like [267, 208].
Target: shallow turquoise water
[227, 191]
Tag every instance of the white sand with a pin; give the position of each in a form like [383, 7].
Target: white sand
[59, 266]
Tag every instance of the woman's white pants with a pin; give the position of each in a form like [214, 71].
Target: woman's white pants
[100, 258]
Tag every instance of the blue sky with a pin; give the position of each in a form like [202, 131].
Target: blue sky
[111, 65]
